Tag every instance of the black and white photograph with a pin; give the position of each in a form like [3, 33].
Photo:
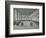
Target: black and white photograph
[24, 18]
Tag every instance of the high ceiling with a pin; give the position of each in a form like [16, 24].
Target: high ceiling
[25, 11]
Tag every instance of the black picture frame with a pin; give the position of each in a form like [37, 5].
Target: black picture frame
[7, 22]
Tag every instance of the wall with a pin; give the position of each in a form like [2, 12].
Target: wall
[2, 17]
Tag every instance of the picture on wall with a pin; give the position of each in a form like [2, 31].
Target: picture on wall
[24, 18]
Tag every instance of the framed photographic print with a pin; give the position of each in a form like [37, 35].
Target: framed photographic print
[24, 18]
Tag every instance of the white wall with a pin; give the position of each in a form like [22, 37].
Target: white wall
[2, 18]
